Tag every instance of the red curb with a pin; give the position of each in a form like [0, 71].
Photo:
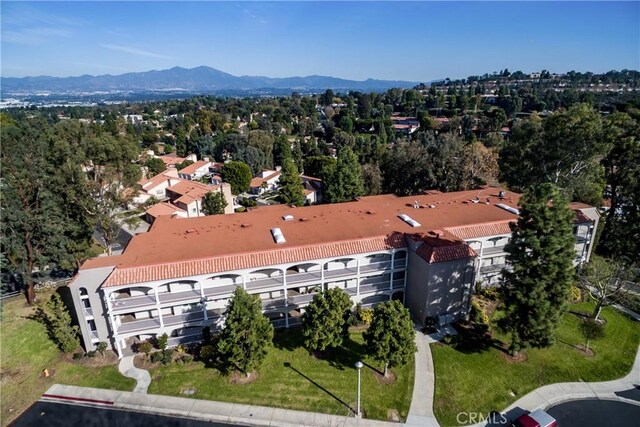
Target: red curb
[77, 399]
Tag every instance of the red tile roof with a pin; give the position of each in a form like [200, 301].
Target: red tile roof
[210, 244]
[192, 168]
[442, 249]
[162, 208]
[124, 276]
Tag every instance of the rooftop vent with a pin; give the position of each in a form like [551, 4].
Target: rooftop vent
[245, 225]
[502, 195]
[416, 205]
[508, 208]
[278, 237]
[412, 222]
[288, 217]
[432, 206]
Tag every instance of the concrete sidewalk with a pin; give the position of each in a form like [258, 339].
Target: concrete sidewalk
[421, 410]
[142, 377]
[205, 410]
[553, 394]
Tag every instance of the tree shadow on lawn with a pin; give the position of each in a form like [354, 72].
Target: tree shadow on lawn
[476, 338]
[342, 402]
[288, 339]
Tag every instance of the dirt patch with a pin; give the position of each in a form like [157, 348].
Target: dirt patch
[109, 359]
[47, 374]
[141, 361]
[519, 358]
[242, 378]
[583, 350]
[381, 379]
[7, 375]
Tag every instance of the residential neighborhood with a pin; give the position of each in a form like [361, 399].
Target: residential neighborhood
[304, 214]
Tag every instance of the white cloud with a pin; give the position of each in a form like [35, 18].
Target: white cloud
[134, 51]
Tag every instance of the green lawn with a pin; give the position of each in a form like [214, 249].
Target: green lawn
[482, 381]
[26, 350]
[291, 378]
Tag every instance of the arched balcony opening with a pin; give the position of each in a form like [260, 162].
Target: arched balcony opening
[221, 285]
[264, 278]
[304, 274]
[340, 268]
[400, 259]
[131, 298]
[374, 299]
[375, 263]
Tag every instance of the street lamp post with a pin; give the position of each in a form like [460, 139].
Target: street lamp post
[359, 365]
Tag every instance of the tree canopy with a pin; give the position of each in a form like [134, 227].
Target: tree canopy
[324, 323]
[214, 203]
[291, 190]
[238, 175]
[540, 255]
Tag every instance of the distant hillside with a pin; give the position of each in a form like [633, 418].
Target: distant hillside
[205, 79]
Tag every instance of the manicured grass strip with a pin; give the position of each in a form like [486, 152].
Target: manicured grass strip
[482, 381]
[26, 350]
[291, 378]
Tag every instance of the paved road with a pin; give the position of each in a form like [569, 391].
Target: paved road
[50, 414]
[592, 413]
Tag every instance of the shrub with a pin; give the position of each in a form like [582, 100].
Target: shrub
[77, 356]
[207, 353]
[366, 316]
[575, 294]
[185, 358]
[156, 357]
[478, 313]
[162, 341]
[101, 347]
[166, 357]
[206, 334]
[91, 353]
[450, 339]
[145, 347]
[180, 349]
[491, 293]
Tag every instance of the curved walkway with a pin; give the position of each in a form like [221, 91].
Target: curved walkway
[142, 377]
[421, 409]
[552, 394]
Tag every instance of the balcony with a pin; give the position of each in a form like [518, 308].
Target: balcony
[184, 318]
[374, 287]
[129, 303]
[375, 300]
[94, 335]
[494, 268]
[400, 263]
[220, 291]
[492, 250]
[138, 325]
[267, 282]
[375, 266]
[188, 339]
[87, 312]
[173, 297]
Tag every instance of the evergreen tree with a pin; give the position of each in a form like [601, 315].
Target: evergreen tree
[281, 150]
[58, 321]
[291, 190]
[297, 155]
[390, 338]
[238, 175]
[540, 253]
[154, 166]
[345, 182]
[324, 323]
[214, 203]
[247, 335]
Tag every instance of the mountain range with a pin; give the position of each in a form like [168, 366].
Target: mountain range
[199, 79]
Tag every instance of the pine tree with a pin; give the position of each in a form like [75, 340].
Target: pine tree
[281, 150]
[540, 253]
[214, 203]
[247, 334]
[390, 338]
[291, 190]
[345, 181]
[58, 321]
[324, 323]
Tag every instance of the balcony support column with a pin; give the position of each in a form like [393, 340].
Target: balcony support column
[155, 291]
[393, 260]
[203, 301]
[286, 299]
[114, 327]
[358, 276]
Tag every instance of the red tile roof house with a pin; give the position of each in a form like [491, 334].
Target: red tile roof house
[195, 171]
[426, 250]
[157, 185]
[188, 195]
[267, 180]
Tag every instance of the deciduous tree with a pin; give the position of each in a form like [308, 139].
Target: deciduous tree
[214, 203]
[238, 175]
[390, 338]
[324, 323]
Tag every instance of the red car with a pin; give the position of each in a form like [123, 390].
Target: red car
[537, 418]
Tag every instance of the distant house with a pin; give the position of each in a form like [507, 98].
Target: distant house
[188, 195]
[312, 189]
[267, 180]
[164, 209]
[404, 125]
[171, 160]
[195, 171]
[157, 185]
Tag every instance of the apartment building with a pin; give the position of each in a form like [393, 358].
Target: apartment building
[427, 251]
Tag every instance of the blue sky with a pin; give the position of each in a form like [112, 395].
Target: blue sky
[417, 41]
